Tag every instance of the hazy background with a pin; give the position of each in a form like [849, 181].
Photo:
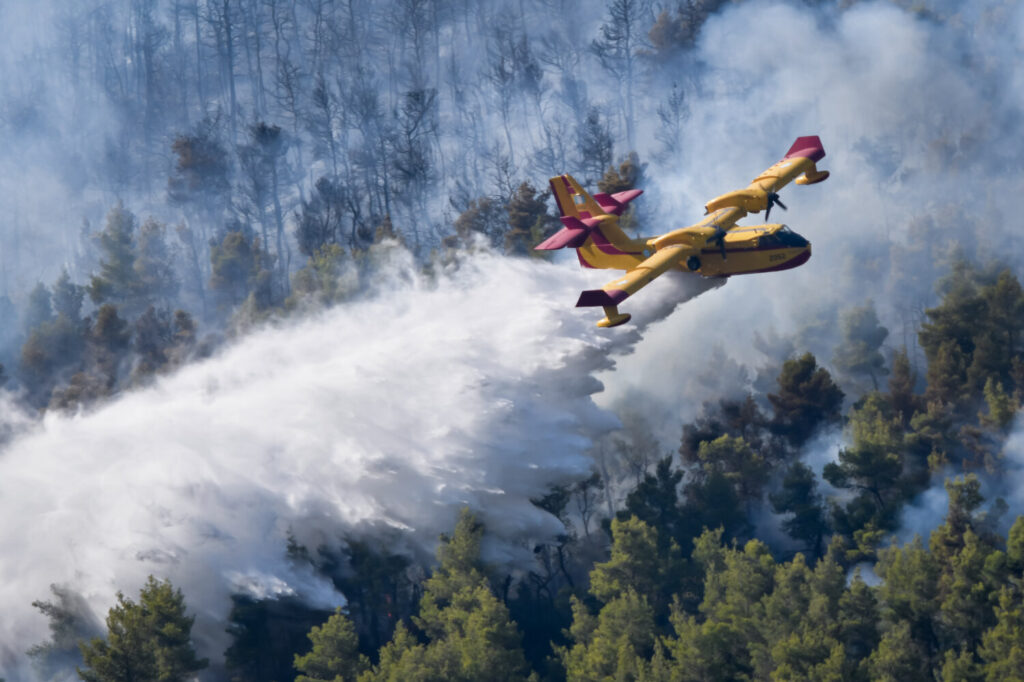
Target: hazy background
[478, 384]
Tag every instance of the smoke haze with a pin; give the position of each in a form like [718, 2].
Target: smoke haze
[476, 391]
[485, 388]
[919, 170]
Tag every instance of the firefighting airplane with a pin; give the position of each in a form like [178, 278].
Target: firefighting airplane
[714, 247]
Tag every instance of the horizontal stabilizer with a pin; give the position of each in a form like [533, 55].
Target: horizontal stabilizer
[573, 235]
[616, 203]
[574, 223]
[600, 297]
[566, 237]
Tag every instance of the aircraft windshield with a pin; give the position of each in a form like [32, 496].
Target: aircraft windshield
[783, 237]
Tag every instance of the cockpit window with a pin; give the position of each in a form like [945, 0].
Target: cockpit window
[790, 238]
[782, 237]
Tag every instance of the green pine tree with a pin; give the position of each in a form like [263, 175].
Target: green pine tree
[613, 645]
[335, 655]
[807, 399]
[905, 402]
[118, 280]
[862, 337]
[1002, 646]
[148, 641]
[799, 497]
[469, 635]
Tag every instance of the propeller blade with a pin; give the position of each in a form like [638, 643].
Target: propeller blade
[773, 199]
[718, 236]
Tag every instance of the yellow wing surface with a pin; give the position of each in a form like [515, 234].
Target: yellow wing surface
[762, 193]
[618, 290]
[799, 163]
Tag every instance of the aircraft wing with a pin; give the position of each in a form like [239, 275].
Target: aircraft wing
[620, 289]
[798, 164]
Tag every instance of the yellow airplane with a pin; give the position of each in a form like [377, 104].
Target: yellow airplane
[714, 247]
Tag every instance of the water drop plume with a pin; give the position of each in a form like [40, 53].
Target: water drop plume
[389, 412]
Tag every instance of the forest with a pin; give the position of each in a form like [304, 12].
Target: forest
[835, 499]
[676, 585]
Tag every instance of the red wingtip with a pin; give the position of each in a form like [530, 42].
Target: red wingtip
[627, 196]
[808, 147]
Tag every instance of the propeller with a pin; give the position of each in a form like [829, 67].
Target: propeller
[773, 198]
[718, 236]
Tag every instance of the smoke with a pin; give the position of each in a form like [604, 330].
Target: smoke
[914, 111]
[480, 389]
[928, 510]
[393, 411]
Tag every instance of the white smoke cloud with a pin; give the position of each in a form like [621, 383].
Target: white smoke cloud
[914, 115]
[397, 410]
[400, 409]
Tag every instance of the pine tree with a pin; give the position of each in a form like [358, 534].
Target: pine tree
[67, 298]
[908, 605]
[595, 145]
[858, 621]
[335, 655]
[614, 645]
[635, 564]
[118, 280]
[71, 621]
[200, 181]
[154, 264]
[148, 640]
[872, 464]
[468, 631]
[484, 216]
[39, 308]
[946, 374]
[655, 502]
[905, 403]
[862, 337]
[320, 220]
[799, 497]
[109, 341]
[807, 399]
[898, 657]
[1002, 646]
[323, 279]
[1002, 407]
[528, 220]
[629, 175]
[745, 469]
[153, 339]
[239, 266]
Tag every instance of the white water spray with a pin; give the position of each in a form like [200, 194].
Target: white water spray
[397, 410]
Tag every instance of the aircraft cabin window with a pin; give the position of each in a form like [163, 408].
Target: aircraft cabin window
[787, 237]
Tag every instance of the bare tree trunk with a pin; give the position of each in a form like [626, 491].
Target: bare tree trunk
[283, 251]
[229, 42]
[199, 57]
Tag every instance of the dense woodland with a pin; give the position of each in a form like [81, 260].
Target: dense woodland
[676, 585]
[255, 151]
[262, 151]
